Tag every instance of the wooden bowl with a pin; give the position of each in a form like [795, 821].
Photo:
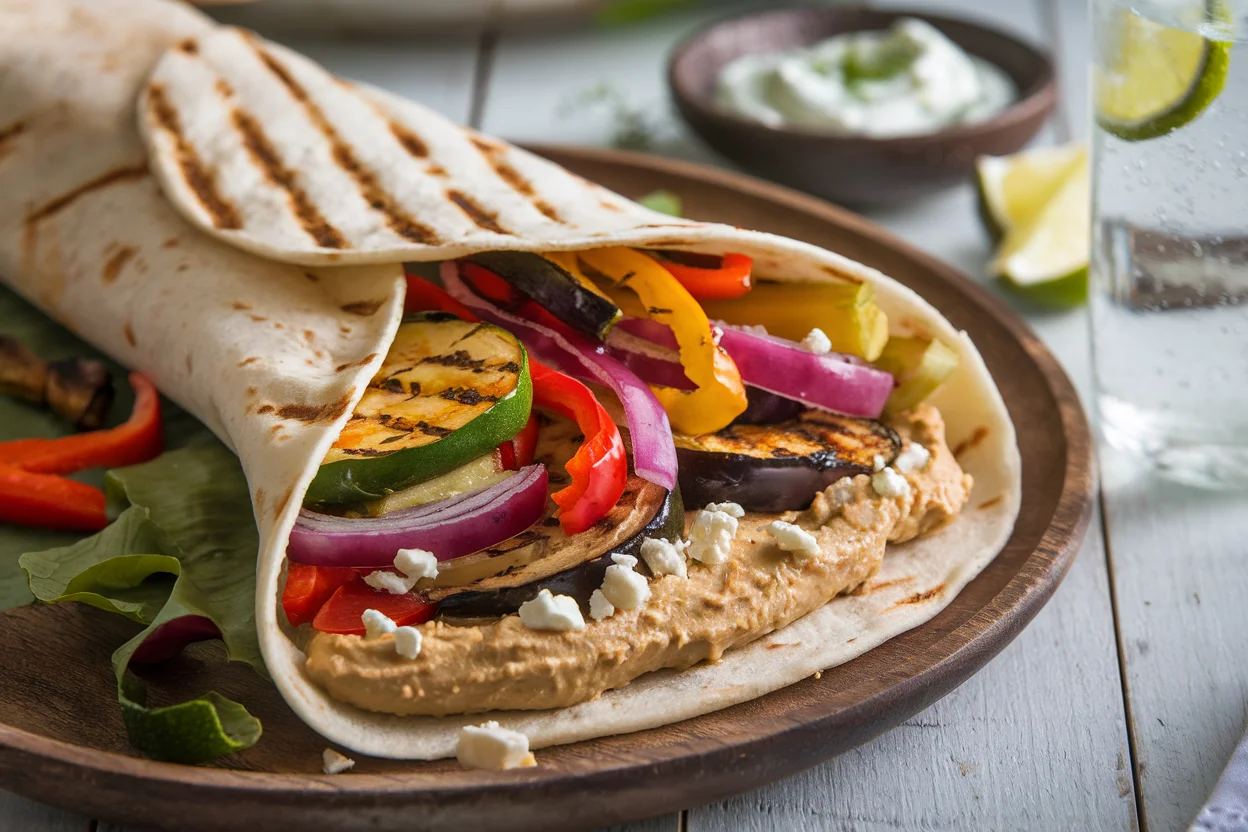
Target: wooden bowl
[855, 169]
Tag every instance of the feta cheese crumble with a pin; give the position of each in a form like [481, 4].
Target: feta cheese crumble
[663, 557]
[732, 509]
[793, 538]
[817, 342]
[558, 613]
[599, 606]
[416, 563]
[391, 582]
[490, 746]
[888, 483]
[407, 642]
[914, 458]
[877, 463]
[376, 624]
[710, 537]
[622, 587]
[335, 763]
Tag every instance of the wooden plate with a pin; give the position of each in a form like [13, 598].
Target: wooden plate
[62, 742]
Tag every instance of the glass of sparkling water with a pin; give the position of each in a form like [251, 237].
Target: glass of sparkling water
[1169, 264]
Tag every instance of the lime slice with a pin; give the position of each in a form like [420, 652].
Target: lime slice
[1012, 190]
[1156, 78]
[1046, 258]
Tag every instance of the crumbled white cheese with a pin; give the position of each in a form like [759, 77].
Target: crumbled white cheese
[376, 624]
[559, 613]
[914, 458]
[623, 587]
[842, 491]
[599, 606]
[407, 642]
[727, 508]
[490, 746]
[335, 763]
[391, 582]
[877, 463]
[817, 342]
[793, 538]
[710, 537]
[753, 329]
[663, 557]
[888, 483]
[416, 563]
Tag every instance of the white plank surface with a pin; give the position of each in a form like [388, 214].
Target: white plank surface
[1178, 561]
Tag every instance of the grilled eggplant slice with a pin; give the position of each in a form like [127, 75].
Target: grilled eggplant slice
[577, 303]
[780, 467]
[448, 392]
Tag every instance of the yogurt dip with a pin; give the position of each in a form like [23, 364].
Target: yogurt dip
[902, 81]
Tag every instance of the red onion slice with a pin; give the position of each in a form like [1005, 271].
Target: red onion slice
[448, 528]
[654, 453]
[829, 380]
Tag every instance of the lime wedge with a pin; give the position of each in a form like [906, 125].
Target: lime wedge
[1046, 258]
[1012, 190]
[1156, 78]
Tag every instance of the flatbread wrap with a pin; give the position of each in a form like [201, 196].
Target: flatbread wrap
[224, 215]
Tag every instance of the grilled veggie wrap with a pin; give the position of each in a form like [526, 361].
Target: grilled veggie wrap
[222, 214]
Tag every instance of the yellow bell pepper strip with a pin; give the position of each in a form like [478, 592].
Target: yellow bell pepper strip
[720, 394]
[846, 312]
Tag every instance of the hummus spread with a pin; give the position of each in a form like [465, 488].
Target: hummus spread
[505, 665]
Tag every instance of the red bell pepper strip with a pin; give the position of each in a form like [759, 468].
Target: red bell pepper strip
[138, 439]
[309, 587]
[731, 279]
[600, 467]
[423, 296]
[47, 501]
[344, 611]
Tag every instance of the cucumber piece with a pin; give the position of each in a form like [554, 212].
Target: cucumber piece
[448, 392]
[482, 472]
[577, 303]
[919, 365]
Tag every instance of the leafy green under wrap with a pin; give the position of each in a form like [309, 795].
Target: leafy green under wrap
[183, 544]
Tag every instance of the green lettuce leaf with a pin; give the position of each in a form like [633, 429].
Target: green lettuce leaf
[183, 545]
[665, 202]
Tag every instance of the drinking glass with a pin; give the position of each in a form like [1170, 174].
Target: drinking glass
[1169, 265]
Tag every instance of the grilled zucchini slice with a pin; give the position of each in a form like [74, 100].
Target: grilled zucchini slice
[448, 392]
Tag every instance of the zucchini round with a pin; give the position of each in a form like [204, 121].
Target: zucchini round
[448, 392]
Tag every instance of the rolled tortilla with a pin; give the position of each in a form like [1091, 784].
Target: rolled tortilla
[269, 332]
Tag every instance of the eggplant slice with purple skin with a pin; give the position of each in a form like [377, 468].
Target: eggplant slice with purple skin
[780, 467]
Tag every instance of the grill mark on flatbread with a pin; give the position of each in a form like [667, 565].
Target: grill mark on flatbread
[920, 597]
[114, 265]
[971, 442]
[111, 178]
[196, 176]
[475, 212]
[223, 88]
[374, 194]
[312, 413]
[9, 134]
[189, 46]
[128, 332]
[363, 308]
[266, 157]
[496, 155]
[412, 143]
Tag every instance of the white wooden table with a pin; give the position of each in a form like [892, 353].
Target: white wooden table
[1119, 705]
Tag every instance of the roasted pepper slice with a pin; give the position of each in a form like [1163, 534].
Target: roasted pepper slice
[50, 502]
[720, 395]
[423, 296]
[708, 277]
[846, 312]
[344, 611]
[600, 467]
[309, 587]
[139, 439]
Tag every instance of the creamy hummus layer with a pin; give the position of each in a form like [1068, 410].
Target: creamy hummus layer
[505, 665]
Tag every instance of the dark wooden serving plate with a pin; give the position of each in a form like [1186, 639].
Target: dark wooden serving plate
[62, 742]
